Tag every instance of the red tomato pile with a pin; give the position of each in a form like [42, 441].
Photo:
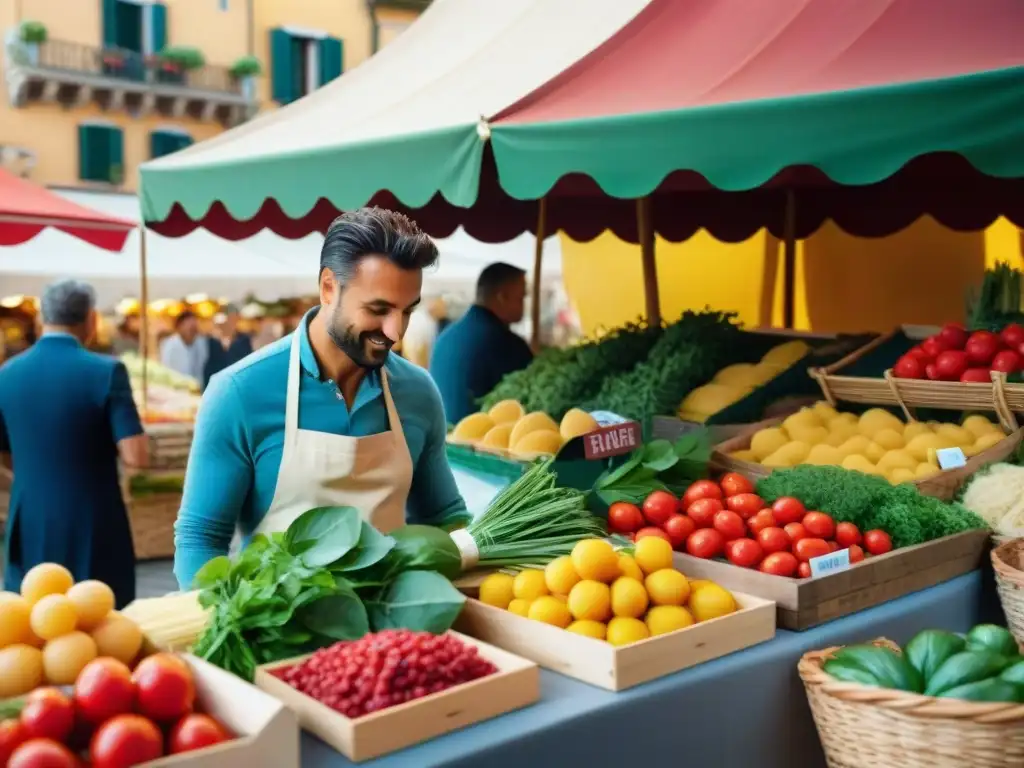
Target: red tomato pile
[955, 355]
[728, 519]
[114, 716]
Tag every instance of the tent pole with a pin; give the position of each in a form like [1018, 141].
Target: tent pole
[538, 257]
[144, 318]
[645, 232]
[789, 262]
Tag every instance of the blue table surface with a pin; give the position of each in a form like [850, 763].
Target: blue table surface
[744, 710]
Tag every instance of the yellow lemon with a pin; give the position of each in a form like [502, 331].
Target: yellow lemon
[623, 631]
[560, 575]
[595, 559]
[14, 620]
[667, 587]
[550, 610]
[594, 629]
[54, 615]
[629, 598]
[696, 584]
[590, 600]
[629, 567]
[710, 602]
[496, 590]
[662, 619]
[46, 579]
[653, 553]
[520, 607]
[529, 584]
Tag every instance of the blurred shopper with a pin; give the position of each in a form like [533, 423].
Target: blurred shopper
[227, 345]
[66, 416]
[476, 351]
[186, 350]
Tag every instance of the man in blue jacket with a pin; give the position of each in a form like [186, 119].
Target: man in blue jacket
[66, 416]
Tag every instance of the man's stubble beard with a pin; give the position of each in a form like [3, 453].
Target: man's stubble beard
[353, 345]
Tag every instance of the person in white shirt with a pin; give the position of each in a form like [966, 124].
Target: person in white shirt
[186, 350]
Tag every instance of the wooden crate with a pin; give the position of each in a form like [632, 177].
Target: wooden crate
[516, 684]
[169, 444]
[618, 668]
[268, 732]
[805, 603]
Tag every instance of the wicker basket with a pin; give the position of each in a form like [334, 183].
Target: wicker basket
[1008, 563]
[865, 727]
[942, 486]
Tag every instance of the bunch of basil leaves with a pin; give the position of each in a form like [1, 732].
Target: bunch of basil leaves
[659, 465]
[329, 577]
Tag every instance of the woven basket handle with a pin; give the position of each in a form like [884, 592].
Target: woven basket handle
[894, 387]
[1002, 408]
[820, 376]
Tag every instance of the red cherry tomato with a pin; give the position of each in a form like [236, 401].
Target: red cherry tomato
[856, 553]
[730, 525]
[42, 753]
[808, 549]
[847, 534]
[745, 553]
[651, 531]
[773, 540]
[165, 689]
[104, 688]
[803, 571]
[819, 524]
[745, 504]
[705, 543]
[877, 542]
[48, 714]
[703, 511]
[124, 741]
[624, 517]
[787, 510]
[779, 564]
[833, 546]
[760, 521]
[795, 531]
[733, 484]
[702, 489]
[679, 528]
[196, 732]
[12, 735]
[659, 507]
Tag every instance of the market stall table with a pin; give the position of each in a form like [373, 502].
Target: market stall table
[747, 709]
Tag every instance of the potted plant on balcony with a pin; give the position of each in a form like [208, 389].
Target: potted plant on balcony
[175, 61]
[245, 70]
[32, 34]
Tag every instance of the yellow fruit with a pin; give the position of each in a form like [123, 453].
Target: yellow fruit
[824, 454]
[575, 423]
[550, 610]
[767, 441]
[919, 446]
[742, 375]
[856, 444]
[595, 559]
[529, 423]
[839, 433]
[897, 458]
[496, 590]
[529, 584]
[473, 427]
[629, 598]
[539, 441]
[119, 637]
[520, 607]
[858, 463]
[667, 587]
[662, 619]
[979, 425]
[805, 418]
[560, 575]
[957, 435]
[652, 553]
[810, 435]
[712, 398]
[787, 353]
[21, 670]
[925, 470]
[789, 455]
[825, 412]
[986, 441]
[629, 567]
[505, 412]
[889, 439]
[14, 620]
[877, 419]
[874, 452]
[710, 602]
[623, 631]
[53, 616]
[93, 600]
[497, 437]
[590, 600]
[914, 429]
[744, 455]
[46, 579]
[696, 584]
[594, 629]
[847, 419]
[900, 475]
[65, 656]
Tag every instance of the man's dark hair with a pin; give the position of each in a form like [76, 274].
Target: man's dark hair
[495, 277]
[188, 314]
[374, 231]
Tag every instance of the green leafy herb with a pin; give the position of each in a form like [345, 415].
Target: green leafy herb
[321, 537]
[419, 600]
[657, 465]
[372, 547]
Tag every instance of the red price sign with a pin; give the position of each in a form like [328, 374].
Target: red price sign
[613, 440]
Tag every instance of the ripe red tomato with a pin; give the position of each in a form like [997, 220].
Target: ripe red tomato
[1007, 361]
[847, 534]
[773, 540]
[125, 741]
[703, 511]
[909, 367]
[164, 687]
[808, 549]
[730, 525]
[42, 753]
[982, 346]
[12, 735]
[976, 376]
[935, 346]
[733, 484]
[651, 531]
[624, 517]
[745, 553]
[795, 532]
[820, 525]
[920, 354]
[196, 732]
[788, 510]
[745, 504]
[760, 521]
[833, 546]
[1012, 335]
[856, 553]
[877, 542]
[803, 571]
[659, 507]
[779, 564]
[705, 543]
[679, 528]
[104, 689]
[931, 372]
[951, 364]
[955, 335]
[702, 489]
[48, 714]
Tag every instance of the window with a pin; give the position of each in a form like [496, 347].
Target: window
[165, 142]
[134, 29]
[100, 153]
[302, 63]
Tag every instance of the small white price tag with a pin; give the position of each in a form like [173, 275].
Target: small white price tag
[950, 458]
[830, 563]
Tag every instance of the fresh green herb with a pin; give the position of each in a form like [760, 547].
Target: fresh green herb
[657, 466]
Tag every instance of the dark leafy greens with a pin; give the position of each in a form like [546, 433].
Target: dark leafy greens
[657, 465]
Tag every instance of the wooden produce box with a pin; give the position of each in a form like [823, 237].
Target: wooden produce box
[268, 733]
[169, 444]
[616, 668]
[516, 684]
[805, 603]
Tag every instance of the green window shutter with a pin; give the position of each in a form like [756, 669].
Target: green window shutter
[282, 78]
[100, 153]
[332, 53]
[115, 155]
[165, 142]
[157, 27]
[86, 155]
[109, 11]
[182, 140]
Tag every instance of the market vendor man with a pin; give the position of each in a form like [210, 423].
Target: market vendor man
[325, 416]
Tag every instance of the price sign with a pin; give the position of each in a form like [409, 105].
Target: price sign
[613, 440]
[950, 458]
[830, 563]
